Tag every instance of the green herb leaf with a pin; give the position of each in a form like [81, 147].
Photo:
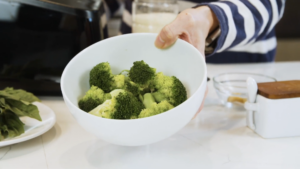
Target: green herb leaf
[6, 95]
[10, 125]
[20, 94]
[2, 102]
[22, 109]
[14, 104]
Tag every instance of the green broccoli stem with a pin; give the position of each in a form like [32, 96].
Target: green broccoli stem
[158, 96]
[107, 96]
[148, 100]
[141, 98]
[124, 71]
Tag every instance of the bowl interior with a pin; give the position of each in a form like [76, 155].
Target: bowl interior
[181, 60]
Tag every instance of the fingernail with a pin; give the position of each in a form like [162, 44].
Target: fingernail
[159, 42]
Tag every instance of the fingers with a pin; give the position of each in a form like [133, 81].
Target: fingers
[185, 27]
[168, 35]
[179, 27]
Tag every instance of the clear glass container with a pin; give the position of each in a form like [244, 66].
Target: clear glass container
[151, 16]
[232, 87]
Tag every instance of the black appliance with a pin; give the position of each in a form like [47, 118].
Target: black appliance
[39, 37]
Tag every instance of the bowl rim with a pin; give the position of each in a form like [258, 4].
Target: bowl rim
[216, 82]
[203, 82]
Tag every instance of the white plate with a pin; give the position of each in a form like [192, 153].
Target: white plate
[34, 128]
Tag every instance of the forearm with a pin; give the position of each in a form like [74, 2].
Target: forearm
[246, 21]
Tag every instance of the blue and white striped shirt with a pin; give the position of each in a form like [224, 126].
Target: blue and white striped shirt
[247, 29]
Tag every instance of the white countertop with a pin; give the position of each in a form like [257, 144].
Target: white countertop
[216, 139]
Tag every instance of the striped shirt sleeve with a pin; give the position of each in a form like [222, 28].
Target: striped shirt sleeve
[247, 25]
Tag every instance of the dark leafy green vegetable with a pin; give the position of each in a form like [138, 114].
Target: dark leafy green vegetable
[2, 102]
[21, 109]
[15, 104]
[19, 94]
[22, 95]
[10, 124]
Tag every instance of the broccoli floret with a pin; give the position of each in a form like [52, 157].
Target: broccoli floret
[118, 82]
[123, 105]
[136, 89]
[125, 92]
[169, 88]
[152, 108]
[102, 77]
[141, 73]
[93, 98]
[133, 88]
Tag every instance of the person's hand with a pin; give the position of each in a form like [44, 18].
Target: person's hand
[191, 25]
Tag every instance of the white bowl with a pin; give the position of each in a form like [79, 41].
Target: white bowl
[181, 60]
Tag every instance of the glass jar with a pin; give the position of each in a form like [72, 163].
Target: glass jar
[152, 15]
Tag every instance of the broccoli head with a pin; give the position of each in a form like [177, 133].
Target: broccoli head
[102, 77]
[133, 88]
[93, 97]
[141, 73]
[169, 88]
[152, 108]
[118, 82]
[123, 105]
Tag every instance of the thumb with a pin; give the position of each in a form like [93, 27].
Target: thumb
[168, 35]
